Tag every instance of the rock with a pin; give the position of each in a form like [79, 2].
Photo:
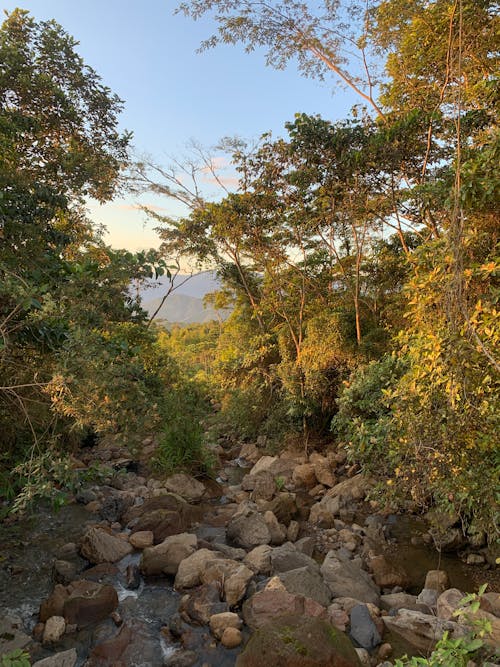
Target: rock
[263, 464]
[427, 598]
[185, 486]
[304, 476]
[190, 569]
[62, 659]
[284, 507]
[12, 636]
[475, 559]
[450, 539]
[323, 513]
[164, 515]
[109, 653]
[384, 651]
[99, 546]
[229, 552]
[298, 642]
[307, 582]
[54, 629]
[250, 452]
[363, 630]
[437, 580]
[364, 657]
[447, 602]
[387, 574]
[322, 469]
[491, 602]
[277, 531]
[347, 579]
[350, 490]
[338, 617]
[181, 659]
[81, 603]
[220, 622]
[292, 532]
[287, 557]
[248, 529]
[400, 601]
[266, 606]
[113, 507]
[132, 577]
[421, 630]
[142, 539]
[102, 573]
[166, 557]
[203, 603]
[306, 545]
[491, 638]
[259, 559]
[63, 572]
[231, 638]
[264, 486]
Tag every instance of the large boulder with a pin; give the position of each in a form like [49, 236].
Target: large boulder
[259, 559]
[190, 569]
[363, 629]
[166, 557]
[185, 486]
[322, 469]
[308, 582]
[100, 546]
[202, 603]
[284, 507]
[267, 605]
[81, 603]
[165, 515]
[263, 486]
[347, 579]
[388, 574]
[304, 476]
[297, 642]
[421, 630]
[248, 529]
[352, 489]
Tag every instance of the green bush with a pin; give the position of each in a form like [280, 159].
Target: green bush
[16, 658]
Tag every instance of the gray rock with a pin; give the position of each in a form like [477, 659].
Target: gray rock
[347, 579]
[422, 630]
[307, 582]
[248, 529]
[286, 557]
[63, 572]
[363, 630]
[186, 486]
[306, 545]
[12, 636]
[428, 597]
[400, 601]
[99, 546]
[166, 557]
[62, 659]
[229, 552]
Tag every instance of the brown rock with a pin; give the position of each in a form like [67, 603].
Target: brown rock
[99, 546]
[231, 638]
[304, 475]
[322, 469]
[109, 652]
[167, 556]
[220, 622]
[202, 603]
[54, 629]
[266, 606]
[388, 574]
[185, 486]
[447, 602]
[142, 539]
[437, 580]
[89, 603]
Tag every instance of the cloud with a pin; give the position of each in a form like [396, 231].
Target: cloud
[139, 207]
[216, 163]
[229, 181]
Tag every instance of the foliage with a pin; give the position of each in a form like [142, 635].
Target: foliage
[15, 658]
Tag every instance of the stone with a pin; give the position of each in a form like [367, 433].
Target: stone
[351, 490]
[304, 476]
[450, 539]
[475, 559]
[277, 531]
[164, 515]
[490, 602]
[364, 657]
[384, 651]
[338, 618]
[132, 577]
[250, 452]
[53, 630]
[322, 469]
[142, 539]
[202, 603]
[63, 572]
[263, 464]
[447, 602]
[427, 598]
[388, 574]
[190, 569]
[363, 630]
[294, 641]
[113, 507]
[347, 579]
[323, 513]
[185, 486]
[263, 486]
[229, 552]
[287, 557]
[231, 637]
[61, 659]
[248, 529]
[220, 622]
[166, 557]
[109, 652]
[284, 507]
[88, 602]
[437, 580]
[307, 582]
[266, 606]
[181, 659]
[292, 531]
[235, 585]
[12, 636]
[306, 545]
[400, 601]
[259, 559]
[421, 630]
[99, 546]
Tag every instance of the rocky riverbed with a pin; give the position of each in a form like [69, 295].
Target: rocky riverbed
[280, 562]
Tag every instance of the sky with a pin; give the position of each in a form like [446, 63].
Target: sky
[147, 55]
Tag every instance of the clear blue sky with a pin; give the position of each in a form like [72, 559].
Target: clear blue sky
[147, 55]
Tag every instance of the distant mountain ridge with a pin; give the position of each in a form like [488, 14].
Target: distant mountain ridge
[185, 304]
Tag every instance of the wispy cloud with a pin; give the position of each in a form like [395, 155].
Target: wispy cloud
[139, 207]
[228, 181]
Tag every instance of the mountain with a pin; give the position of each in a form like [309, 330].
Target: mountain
[185, 304]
